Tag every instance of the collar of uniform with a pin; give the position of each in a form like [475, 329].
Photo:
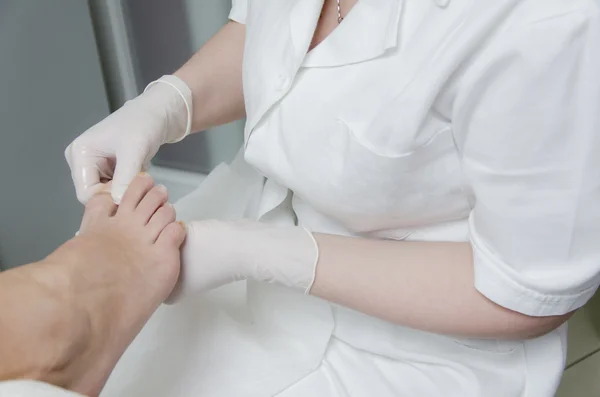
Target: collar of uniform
[369, 30]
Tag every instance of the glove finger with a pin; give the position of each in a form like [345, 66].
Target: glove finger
[85, 173]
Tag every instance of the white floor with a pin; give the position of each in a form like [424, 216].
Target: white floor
[582, 377]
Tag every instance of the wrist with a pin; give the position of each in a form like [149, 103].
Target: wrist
[284, 255]
[171, 98]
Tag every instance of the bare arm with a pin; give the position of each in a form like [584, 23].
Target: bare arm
[214, 74]
[423, 285]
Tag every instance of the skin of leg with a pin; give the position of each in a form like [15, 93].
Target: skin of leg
[98, 289]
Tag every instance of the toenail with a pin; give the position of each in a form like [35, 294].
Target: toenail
[162, 188]
[143, 174]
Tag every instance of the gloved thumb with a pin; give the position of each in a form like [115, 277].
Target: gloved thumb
[128, 166]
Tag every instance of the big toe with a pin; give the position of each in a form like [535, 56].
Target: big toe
[136, 191]
[100, 206]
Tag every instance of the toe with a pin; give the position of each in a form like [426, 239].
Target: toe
[164, 216]
[136, 191]
[151, 202]
[100, 206]
[172, 236]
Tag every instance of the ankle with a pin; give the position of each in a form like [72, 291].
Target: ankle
[78, 287]
[50, 338]
[107, 295]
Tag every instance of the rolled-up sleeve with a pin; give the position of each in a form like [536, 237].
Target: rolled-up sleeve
[239, 10]
[527, 126]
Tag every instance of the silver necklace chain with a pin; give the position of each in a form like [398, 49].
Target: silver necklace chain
[339, 9]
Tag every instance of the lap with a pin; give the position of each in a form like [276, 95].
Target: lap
[350, 372]
[198, 349]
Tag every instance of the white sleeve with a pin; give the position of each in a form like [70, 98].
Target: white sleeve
[239, 9]
[527, 123]
[29, 388]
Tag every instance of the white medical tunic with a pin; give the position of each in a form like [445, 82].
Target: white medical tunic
[418, 120]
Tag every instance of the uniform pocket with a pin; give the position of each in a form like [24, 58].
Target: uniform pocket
[489, 345]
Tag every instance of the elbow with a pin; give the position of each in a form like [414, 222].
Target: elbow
[509, 324]
[528, 327]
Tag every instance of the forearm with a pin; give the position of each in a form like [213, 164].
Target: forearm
[423, 285]
[214, 75]
[40, 330]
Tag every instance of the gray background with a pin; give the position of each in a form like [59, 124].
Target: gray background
[51, 89]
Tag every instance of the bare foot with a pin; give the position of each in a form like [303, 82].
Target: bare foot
[121, 267]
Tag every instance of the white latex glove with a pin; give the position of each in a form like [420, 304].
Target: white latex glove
[216, 253]
[122, 145]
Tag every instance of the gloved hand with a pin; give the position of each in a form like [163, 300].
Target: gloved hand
[122, 145]
[216, 253]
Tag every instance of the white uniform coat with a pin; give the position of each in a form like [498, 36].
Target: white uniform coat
[461, 120]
